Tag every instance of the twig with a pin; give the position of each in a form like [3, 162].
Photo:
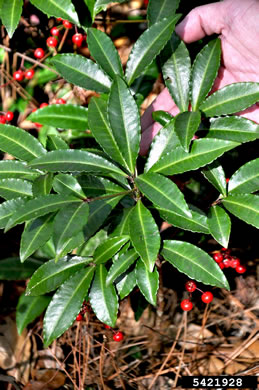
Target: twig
[10, 379]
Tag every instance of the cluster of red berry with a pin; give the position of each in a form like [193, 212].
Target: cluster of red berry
[117, 335]
[7, 117]
[191, 286]
[224, 260]
[82, 312]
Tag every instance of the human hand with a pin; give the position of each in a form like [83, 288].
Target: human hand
[236, 22]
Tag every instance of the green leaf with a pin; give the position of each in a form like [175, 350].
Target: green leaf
[215, 174]
[59, 8]
[35, 235]
[75, 161]
[148, 282]
[68, 184]
[161, 117]
[93, 242]
[103, 298]
[11, 11]
[28, 309]
[95, 186]
[15, 188]
[63, 116]
[186, 124]
[245, 207]
[42, 185]
[8, 208]
[148, 46]
[121, 265]
[109, 248]
[101, 5]
[71, 245]
[144, 235]
[194, 262]
[233, 128]
[19, 143]
[197, 222]
[66, 304]
[40, 206]
[163, 192]
[203, 152]
[245, 179]
[54, 142]
[158, 10]
[100, 127]
[82, 72]
[204, 71]
[125, 122]
[219, 225]
[12, 269]
[104, 52]
[123, 226]
[16, 169]
[51, 275]
[230, 99]
[126, 284]
[177, 73]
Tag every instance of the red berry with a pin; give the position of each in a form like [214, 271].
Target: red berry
[227, 180]
[54, 31]
[107, 326]
[29, 74]
[79, 317]
[38, 124]
[218, 257]
[234, 262]
[60, 101]
[67, 24]
[43, 105]
[227, 262]
[146, 2]
[207, 297]
[18, 75]
[52, 42]
[186, 305]
[118, 336]
[59, 19]
[39, 53]
[77, 39]
[2, 119]
[240, 269]
[221, 265]
[9, 116]
[190, 286]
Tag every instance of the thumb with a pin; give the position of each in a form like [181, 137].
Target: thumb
[204, 20]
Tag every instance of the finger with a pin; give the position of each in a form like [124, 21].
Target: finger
[201, 21]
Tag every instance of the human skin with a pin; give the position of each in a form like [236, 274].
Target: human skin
[237, 23]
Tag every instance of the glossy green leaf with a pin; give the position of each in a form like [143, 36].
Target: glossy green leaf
[219, 225]
[71, 245]
[63, 116]
[35, 235]
[163, 192]
[51, 275]
[40, 206]
[16, 169]
[68, 184]
[230, 99]
[68, 222]
[19, 143]
[103, 298]
[8, 208]
[95, 186]
[104, 52]
[109, 248]
[215, 174]
[245, 179]
[58, 8]
[54, 142]
[11, 268]
[121, 264]
[245, 207]
[66, 304]
[28, 309]
[197, 222]
[161, 117]
[75, 161]
[144, 235]
[122, 227]
[233, 128]
[125, 122]
[148, 46]
[82, 72]
[15, 188]
[148, 282]
[158, 10]
[42, 185]
[203, 152]
[102, 132]
[186, 124]
[194, 262]
[11, 11]
[204, 72]
[126, 284]
[177, 72]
